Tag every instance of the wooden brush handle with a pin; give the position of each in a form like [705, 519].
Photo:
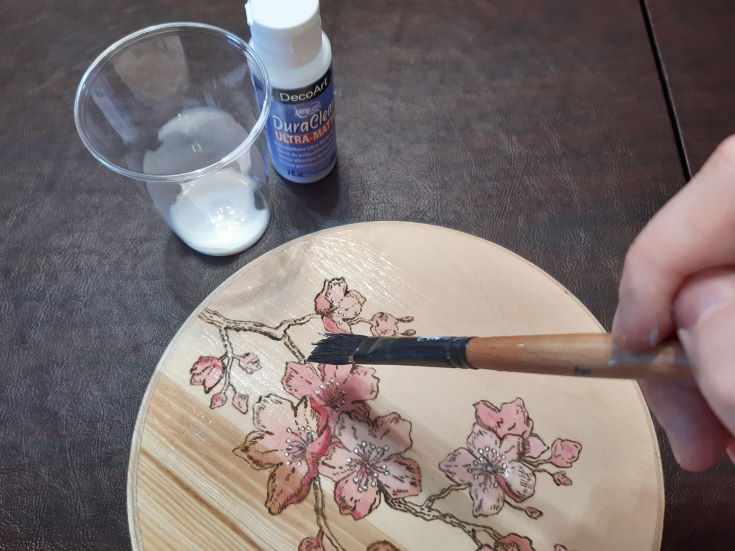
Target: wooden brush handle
[591, 355]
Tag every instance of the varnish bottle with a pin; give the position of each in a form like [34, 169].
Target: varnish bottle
[288, 37]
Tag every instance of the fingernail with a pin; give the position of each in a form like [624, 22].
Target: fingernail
[615, 321]
[731, 451]
[653, 337]
[619, 335]
[688, 343]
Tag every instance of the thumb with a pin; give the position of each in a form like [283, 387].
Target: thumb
[704, 311]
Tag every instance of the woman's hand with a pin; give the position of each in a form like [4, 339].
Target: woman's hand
[679, 276]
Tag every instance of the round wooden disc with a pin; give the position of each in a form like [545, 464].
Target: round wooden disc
[242, 445]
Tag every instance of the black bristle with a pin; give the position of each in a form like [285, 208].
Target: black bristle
[336, 348]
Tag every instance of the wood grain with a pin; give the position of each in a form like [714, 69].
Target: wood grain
[188, 489]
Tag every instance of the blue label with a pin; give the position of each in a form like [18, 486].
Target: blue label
[301, 135]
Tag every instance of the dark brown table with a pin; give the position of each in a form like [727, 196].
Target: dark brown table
[696, 48]
[543, 126]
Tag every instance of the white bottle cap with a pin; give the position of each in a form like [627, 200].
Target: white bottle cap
[285, 33]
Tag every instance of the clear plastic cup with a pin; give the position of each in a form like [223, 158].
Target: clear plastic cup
[174, 107]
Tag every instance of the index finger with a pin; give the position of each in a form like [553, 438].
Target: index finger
[695, 230]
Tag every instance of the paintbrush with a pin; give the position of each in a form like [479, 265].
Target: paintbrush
[580, 354]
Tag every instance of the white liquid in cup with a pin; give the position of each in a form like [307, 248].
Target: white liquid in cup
[216, 214]
[219, 214]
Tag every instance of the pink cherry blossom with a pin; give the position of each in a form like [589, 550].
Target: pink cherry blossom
[490, 466]
[338, 306]
[315, 543]
[514, 542]
[336, 388]
[532, 512]
[240, 402]
[564, 452]
[330, 326]
[561, 479]
[250, 363]
[386, 325]
[511, 418]
[367, 461]
[360, 412]
[206, 371]
[332, 292]
[219, 399]
[290, 440]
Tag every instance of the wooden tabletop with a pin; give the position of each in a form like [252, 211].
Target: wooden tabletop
[541, 126]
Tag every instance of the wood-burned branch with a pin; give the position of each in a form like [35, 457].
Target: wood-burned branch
[429, 513]
[321, 518]
[275, 333]
[429, 503]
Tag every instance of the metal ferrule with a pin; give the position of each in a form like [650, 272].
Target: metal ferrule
[428, 351]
